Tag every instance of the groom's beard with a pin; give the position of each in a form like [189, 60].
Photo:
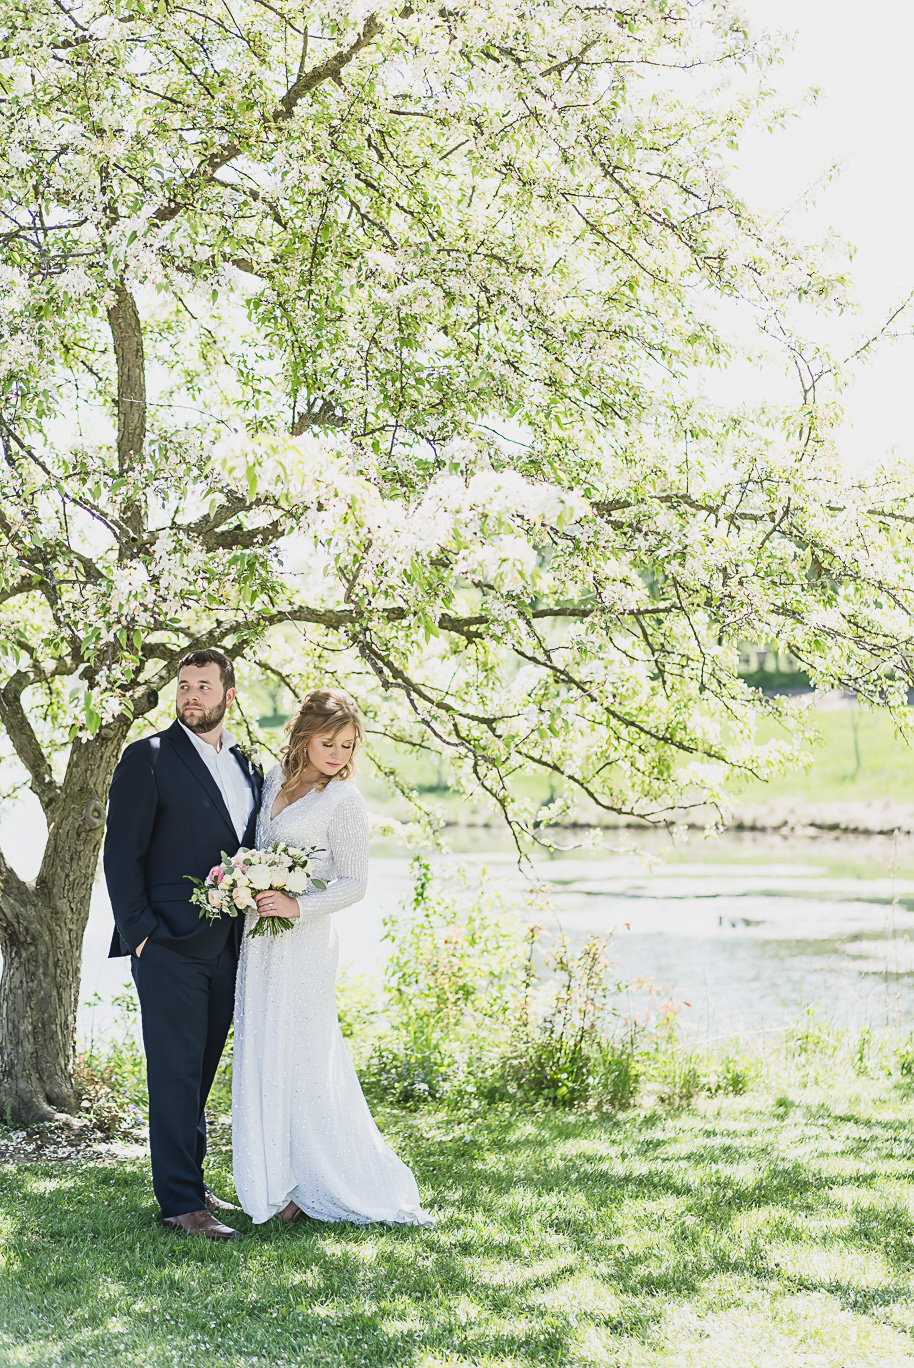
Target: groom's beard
[206, 720]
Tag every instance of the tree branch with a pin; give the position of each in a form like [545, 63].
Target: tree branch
[15, 901]
[88, 565]
[328, 70]
[127, 332]
[649, 732]
[26, 585]
[210, 530]
[321, 413]
[26, 744]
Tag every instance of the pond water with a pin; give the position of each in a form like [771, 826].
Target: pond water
[747, 930]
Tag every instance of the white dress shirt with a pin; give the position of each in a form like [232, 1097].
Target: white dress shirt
[230, 779]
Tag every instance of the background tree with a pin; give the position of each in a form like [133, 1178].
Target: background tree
[363, 344]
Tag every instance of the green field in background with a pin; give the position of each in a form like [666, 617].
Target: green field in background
[859, 759]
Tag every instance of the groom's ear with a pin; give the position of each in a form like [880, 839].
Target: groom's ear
[229, 697]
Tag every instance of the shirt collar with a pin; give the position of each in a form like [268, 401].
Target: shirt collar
[204, 747]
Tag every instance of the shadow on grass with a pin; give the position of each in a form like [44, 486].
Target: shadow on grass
[548, 1227]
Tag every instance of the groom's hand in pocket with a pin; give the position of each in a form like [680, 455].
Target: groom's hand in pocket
[139, 950]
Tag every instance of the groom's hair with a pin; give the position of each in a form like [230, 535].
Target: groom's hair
[209, 657]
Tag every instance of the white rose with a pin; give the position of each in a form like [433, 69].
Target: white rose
[279, 878]
[261, 876]
[296, 881]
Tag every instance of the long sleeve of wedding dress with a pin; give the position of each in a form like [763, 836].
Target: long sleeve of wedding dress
[301, 1129]
[347, 837]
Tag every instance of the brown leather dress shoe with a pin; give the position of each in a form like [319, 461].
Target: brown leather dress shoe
[214, 1203]
[201, 1223]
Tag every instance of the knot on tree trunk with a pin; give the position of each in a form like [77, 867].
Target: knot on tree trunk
[91, 815]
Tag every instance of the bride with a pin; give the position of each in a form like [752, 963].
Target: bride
[303, 1137]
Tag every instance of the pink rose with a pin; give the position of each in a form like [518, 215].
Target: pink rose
[216, 875]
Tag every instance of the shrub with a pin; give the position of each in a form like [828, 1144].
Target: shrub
[103, 1101]
[405, 1078]
[477, 1010]
[119, 1063]
[452, 979]
[558, 1048]
[679, 1075]
[454, 966]
[812, 1038]
[735, 1076]
[357, 1004]
[904, 1062]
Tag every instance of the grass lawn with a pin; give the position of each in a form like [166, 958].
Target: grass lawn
[859, 759]
[743, 1231]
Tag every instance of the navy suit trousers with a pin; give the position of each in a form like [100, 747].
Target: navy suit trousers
[186, 1004]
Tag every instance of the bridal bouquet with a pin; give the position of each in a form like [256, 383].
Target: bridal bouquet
[230, 887]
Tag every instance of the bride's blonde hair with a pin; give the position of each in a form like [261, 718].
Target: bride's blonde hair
[320, 711]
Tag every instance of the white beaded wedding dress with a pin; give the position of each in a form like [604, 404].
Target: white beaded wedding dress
[301, 1128]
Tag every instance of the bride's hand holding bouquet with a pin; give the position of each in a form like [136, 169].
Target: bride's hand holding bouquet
[261, 881]
[272, 903]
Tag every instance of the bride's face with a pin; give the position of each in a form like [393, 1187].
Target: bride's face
[328, 754]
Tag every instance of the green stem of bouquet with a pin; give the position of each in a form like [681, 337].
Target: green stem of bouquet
[270, 926]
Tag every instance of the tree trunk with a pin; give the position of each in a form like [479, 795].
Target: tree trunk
[39, 991]
[127, 334]
[42, 924]
[41, 935]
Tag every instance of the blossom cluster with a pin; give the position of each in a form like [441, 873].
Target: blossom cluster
[476, 273]
[230, 887]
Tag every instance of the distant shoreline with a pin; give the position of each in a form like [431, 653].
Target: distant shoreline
[783, 818]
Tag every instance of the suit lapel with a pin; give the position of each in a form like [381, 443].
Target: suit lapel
[250, 771]
[254, 776]
[187, 751]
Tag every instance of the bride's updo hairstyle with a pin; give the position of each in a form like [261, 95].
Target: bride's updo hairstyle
[321, 712]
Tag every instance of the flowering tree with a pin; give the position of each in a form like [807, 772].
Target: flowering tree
[362, 343]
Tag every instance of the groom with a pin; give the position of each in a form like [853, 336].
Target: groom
[178, 800]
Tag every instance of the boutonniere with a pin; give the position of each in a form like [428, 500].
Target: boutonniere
[248, 755]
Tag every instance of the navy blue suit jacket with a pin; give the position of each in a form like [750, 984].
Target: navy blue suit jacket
[167, 819]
